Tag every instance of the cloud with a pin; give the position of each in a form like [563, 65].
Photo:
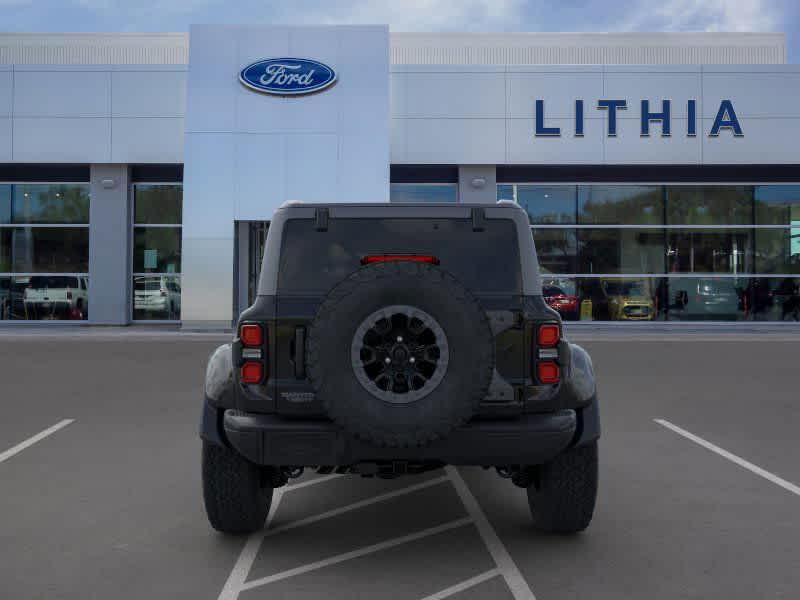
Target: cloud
[705, 15]
[413, 15]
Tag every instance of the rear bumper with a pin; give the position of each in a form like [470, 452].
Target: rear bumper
[270, 440]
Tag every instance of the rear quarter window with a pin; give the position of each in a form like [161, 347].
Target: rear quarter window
[486, 262]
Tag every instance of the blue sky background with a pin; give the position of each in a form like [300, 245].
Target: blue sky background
[414, 15]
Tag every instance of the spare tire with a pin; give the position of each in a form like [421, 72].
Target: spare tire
[400, 353]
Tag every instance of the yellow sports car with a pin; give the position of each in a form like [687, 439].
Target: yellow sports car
[628, 299]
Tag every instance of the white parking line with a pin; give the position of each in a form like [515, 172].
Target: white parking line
[464, 585]
[505, 564]
[315, 481]
[731, 457]
[385, 545]
[33, 439]
[360, 504]
[240, 571]
[234, 585]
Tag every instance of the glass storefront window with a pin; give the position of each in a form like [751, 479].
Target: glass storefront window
[44, 297]
[157, 250]
[778, 250]
[556, 249]
[505, 192]
[423, 192]
[709, 205]
[561, 294]
[156, 297]
[710, 250]
[708, 299]
[548, 205]
[44, 251]
[44, 204]
[5, 203]
[775, 299]
[620, 204]
[157, 214]
[777, 205]
[621, 251]
[622, 298]
[158, 204]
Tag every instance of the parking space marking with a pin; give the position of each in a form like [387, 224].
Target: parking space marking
[315, 481]
[236, 580]
[464, 585]
[731, 457]
[385, 545]
[4, 456]
[360, 504]
[240, 571]
[505, 564]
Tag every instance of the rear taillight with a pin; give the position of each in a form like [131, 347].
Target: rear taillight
[253, 364]
[251, 334]
[251, 372]
[375, 258]
[545, 368]
[547, 371]
[548, 335]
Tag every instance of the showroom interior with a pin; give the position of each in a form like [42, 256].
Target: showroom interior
[99, 222]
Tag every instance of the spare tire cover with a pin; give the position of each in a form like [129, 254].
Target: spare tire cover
[400, 353]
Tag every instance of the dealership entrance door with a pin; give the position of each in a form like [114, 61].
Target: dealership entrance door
[250, 239]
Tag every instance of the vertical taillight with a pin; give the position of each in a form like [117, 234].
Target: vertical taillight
[548, 335]
[544, 352]
[253, 367]
[252, 335]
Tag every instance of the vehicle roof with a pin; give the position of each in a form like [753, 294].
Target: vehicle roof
[295, 209]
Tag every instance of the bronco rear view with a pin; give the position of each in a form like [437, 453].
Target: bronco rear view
[388, 340]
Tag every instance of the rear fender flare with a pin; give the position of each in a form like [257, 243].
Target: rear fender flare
[219, 384]
[578, 388]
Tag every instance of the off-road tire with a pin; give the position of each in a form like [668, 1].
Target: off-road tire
[563, 492]
[455, 398]
[237, 493]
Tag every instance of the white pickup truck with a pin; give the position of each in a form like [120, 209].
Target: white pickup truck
[56, 296]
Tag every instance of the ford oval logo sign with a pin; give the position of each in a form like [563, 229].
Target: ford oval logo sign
[287, 76]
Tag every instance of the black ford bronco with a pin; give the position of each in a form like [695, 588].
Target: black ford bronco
[394, 339]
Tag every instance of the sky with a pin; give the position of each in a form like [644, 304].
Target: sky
[414, 15]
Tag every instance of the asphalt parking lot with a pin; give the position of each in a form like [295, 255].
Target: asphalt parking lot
[100, 489]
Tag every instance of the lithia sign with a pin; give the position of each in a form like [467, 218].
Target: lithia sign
[725, 120]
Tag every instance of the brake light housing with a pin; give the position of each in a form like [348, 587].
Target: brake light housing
[548, 335]
[252, 335]
[251, 371]
[548, 371]
[545, 368]
[253, 353]
[376, 258]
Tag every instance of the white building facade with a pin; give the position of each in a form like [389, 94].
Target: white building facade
[138, 173]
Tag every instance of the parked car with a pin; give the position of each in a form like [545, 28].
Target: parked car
[388, 340]
[56, 297]
[627, 299]
[156, 296]
[706, 299]
[560, 295]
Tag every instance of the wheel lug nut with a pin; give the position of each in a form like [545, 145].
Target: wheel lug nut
[412, 360]
[387, 360]
[399, 338]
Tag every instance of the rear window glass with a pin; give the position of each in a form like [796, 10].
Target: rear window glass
[484, 261]
[38, 281]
